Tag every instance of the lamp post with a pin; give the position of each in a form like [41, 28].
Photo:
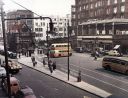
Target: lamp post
[5, 49]
[68, 47]
[47, 44]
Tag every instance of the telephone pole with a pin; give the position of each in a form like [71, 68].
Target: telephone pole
[5, 49]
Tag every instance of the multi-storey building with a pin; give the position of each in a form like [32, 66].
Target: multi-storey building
[60, 27]
[1, 32]
[20, 32]
[100, 23]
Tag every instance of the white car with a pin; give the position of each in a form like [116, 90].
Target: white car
[14, 67]
[113, 53]
[2, 72]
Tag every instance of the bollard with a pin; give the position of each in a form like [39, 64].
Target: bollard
[79, 76]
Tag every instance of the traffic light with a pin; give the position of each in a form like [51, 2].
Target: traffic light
[51, 26]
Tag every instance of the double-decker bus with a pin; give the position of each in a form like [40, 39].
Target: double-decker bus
[60, 50]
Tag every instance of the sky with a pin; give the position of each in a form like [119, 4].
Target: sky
[41, 7]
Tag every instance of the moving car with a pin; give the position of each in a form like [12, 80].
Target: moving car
[113, 53]
[14, 67]
[2, 72]
[116, 64]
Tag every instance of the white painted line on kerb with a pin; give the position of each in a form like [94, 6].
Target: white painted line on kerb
[103, 81]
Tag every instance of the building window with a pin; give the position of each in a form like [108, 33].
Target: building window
[115, 10]
[36, 24]
[43, 23]
[22, 16]
[96, 5]
[60, 29]
[73, 9]
[108, 11]
[29, 16]
[86, 7]
[115, 1]
[80, 8]
[73, 16]
[123, 0]
[91, 6]
[108, 3]
[122, 8]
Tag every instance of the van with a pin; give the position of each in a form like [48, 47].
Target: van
[116, 64]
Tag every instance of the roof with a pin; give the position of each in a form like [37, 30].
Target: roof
[120, 58]
[115, 20]
[60, 43]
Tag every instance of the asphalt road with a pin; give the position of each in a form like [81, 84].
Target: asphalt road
[47, 87]
[93, 73]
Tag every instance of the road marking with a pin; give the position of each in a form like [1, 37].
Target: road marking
[42, 97]
[100, 73]
[101, 81]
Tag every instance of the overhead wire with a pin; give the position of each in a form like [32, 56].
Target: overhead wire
[24, 7]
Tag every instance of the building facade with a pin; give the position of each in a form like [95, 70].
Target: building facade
[20, 32]
[60, 27]
[100, 23]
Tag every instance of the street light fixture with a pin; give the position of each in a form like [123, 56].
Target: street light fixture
[5, 48]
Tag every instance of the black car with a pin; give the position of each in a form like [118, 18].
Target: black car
[12, 55]
[79, 49]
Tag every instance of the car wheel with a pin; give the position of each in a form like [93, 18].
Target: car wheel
[107, 67]
[126, 72]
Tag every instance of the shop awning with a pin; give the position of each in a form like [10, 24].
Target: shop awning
[116, 47]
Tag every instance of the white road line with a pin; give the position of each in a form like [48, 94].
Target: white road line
[103, 81]
[106, 82]
[99, 73]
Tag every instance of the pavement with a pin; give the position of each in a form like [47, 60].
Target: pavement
[64, 77]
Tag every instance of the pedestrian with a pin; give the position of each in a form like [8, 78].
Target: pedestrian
[95, 55]
[50, 66]
[19, 54]
[54, 65]
[44, 63]
[33, 61]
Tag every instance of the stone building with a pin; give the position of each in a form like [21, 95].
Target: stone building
[100, 23]
[20, 33]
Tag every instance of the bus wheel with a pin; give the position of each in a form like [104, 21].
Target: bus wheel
[126, 72]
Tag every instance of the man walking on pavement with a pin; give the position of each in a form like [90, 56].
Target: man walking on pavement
[44, 63]
[54, 65]
[33, 61]
[50, 66]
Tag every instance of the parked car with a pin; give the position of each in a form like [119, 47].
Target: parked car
[79, 49]
[14, 85]
[14, 67]
[12, 55]
[2, 72]
[113, 53]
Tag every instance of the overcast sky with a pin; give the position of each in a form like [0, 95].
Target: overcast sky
[42, 7]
